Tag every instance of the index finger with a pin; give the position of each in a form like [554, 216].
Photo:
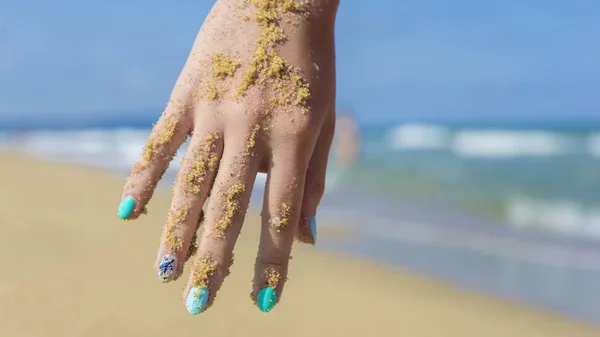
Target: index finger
[165, 139]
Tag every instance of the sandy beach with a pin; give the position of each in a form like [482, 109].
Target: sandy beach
[73, 269]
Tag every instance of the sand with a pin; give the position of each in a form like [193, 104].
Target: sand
[71, 268]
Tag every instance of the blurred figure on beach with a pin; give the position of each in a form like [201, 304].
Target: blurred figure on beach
[344, 150]
[346, 140]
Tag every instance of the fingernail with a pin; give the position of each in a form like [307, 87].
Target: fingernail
[313, 228]
[167, 268]
[266, 300]
[126, 207]
[196, 300]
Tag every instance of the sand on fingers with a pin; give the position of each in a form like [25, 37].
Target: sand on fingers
[71, 268]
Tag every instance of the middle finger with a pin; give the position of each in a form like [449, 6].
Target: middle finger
[224, 218]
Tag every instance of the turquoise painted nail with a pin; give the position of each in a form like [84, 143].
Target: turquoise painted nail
[267, 298]
[196, 300]
[126, 207]
[313, 228]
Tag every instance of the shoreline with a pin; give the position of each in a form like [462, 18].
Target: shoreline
[520, 266]
[84, 272]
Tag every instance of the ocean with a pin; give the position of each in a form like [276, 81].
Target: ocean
[511, 210]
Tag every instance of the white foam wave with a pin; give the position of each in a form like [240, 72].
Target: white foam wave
[561, 216]
[488, 143]
[418, 136]
[594, 145]
[507, 144]
[116, 148]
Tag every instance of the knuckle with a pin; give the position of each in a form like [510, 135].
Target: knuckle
[276, 257]
[299, 128]
[276, 262]
[308, 126]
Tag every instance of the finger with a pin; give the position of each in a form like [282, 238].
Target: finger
[190, 191]
[315, 182]
[281, 210]
[224, 217]
[165, 139]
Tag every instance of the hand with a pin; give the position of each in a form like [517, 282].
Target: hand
[257, 94]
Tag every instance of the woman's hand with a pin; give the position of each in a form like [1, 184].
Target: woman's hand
[257, 94]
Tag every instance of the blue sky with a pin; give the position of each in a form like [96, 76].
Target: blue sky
[83, 60]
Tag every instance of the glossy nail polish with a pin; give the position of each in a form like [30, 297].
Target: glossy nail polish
[196, 300]
[167, 268]
[266, 299]
[313, 228]
[126, 207]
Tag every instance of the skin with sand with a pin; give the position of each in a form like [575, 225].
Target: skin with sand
[257, 94]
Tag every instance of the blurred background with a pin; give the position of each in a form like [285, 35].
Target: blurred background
[468, 147]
